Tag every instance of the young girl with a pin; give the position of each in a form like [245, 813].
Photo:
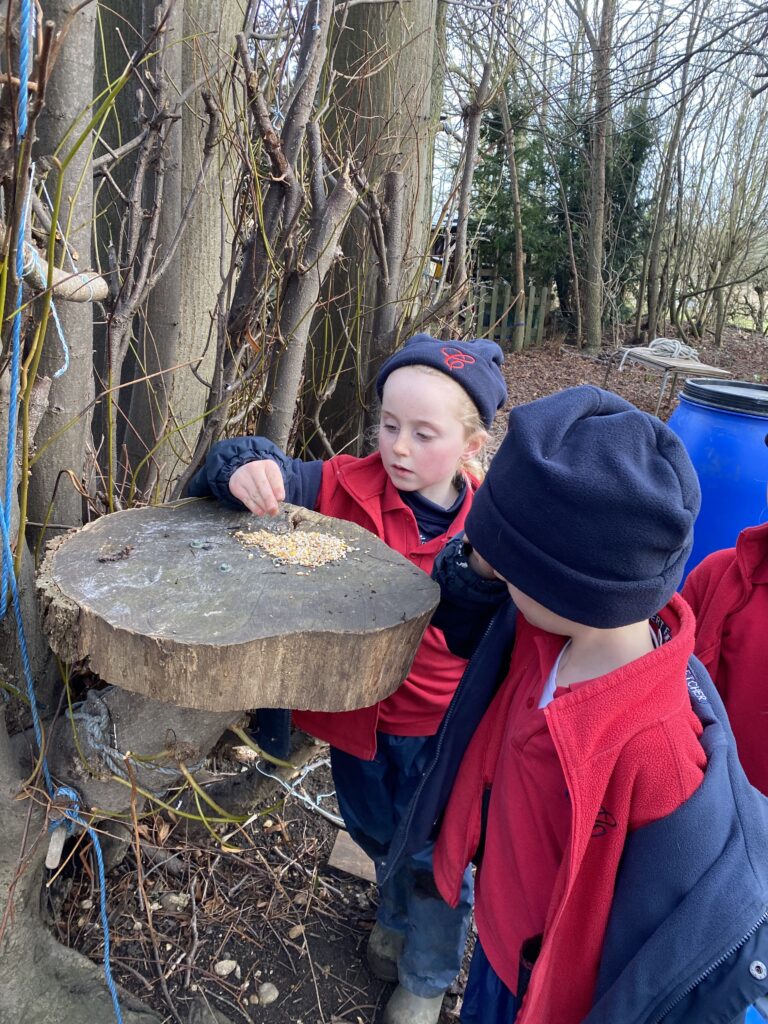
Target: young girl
[437, 401]
[728, 593]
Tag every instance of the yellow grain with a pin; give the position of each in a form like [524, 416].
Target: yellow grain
[299, 547]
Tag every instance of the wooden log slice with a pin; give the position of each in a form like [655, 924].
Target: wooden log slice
[167, 602]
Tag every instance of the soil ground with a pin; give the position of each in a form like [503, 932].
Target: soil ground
[271, 904]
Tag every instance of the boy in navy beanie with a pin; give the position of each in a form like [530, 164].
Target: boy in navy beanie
[588, 507]
[592, 739]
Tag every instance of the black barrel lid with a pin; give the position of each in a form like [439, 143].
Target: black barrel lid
[733, 395]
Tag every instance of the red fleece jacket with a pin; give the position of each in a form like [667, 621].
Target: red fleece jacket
[628, 746]
[728, 592]
[360, 491]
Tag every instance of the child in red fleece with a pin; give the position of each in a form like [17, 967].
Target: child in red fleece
[438, 400]
[587, 515]
[728, 593]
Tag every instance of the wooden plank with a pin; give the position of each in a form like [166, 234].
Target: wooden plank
[543, 311]
[506, 330]
[529, 315]
[495, 310]
[518, 331]
[652, 359]
[347, 856]
[482, 298]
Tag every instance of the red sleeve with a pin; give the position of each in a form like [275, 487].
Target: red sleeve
[705, 578]
[695, 586]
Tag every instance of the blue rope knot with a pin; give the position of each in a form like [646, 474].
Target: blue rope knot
[71, 811]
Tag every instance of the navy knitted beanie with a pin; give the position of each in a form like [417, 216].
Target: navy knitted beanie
[588, 507]
[475, 365]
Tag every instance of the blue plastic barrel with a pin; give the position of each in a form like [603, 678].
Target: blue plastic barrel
[724, 426]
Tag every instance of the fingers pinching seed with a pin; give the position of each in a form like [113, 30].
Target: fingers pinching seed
[259, 486]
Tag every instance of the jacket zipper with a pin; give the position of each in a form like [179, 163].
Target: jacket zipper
[713, 967]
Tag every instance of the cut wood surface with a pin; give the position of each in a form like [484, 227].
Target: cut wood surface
[347, 856]
[165, 601]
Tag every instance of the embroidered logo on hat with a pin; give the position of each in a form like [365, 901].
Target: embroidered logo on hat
[455, 359]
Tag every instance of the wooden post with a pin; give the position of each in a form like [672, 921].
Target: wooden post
[506, 330]
[529, 315]
[546, 295]
[518, 332]
[495, 309]
[481, 291]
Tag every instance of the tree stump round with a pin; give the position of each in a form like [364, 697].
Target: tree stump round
[171, 603]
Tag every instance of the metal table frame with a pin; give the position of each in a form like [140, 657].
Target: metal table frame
[668, 366]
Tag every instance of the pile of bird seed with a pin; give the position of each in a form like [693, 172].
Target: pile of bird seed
[299, 547]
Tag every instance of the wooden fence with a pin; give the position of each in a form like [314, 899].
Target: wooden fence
[498, 315]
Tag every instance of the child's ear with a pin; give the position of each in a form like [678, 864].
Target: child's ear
[475, 444]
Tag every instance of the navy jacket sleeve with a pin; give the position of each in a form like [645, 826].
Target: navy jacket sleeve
[302, 479]
[467, 601]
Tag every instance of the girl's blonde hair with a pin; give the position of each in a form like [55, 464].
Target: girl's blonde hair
[469, 417]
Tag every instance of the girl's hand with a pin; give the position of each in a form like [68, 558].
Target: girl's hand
[259, 485]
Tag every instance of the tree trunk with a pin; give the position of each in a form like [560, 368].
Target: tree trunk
[601, 77]
[120, 32]
[180, 328]
[758, 315]
[52, 494]
[653, 285]
[518, 331]
[720, 315]
[159, 332]
[41, 980]
[385, 114]
[302, 292]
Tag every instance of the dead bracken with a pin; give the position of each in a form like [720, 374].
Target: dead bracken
[299, 547]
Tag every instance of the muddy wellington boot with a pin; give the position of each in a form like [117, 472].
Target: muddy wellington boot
[406, 1008]
[384, 947]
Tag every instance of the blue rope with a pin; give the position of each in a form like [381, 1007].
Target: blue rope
[72, 815]
[25, 28]
[70, 818]
[25, 25]
[35, 262]
[9, 578]
[65, 348]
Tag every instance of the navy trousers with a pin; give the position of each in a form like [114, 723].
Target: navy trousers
[487, 1000]
[373, 796]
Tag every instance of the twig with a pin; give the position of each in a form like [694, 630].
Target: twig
[143, 896]
[192, 952]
